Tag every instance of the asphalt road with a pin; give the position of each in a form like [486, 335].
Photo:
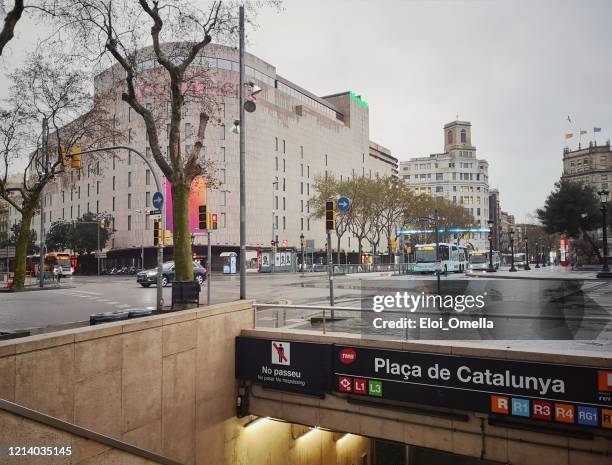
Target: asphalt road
[79, 297]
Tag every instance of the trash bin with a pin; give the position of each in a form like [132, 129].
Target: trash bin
[107, 317]
[185, 293]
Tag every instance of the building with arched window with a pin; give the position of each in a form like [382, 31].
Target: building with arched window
[456, 174]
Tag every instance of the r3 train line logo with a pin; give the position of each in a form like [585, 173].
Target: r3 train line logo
[281, 353]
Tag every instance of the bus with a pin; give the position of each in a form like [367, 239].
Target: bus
[425, 258]
[59, 263]
[519, 259]
[480, 260]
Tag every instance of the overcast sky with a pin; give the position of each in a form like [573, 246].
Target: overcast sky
[515, 69]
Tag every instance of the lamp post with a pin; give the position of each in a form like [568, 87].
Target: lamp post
[544, 252]
[511, 234]
[273, 243]
[603, 198]
[491, 268]
[144, 216]
[302, 250]
[527, 267]
[537, 254]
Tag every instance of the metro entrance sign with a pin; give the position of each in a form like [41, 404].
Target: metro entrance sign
[570, 395]
[557, 393]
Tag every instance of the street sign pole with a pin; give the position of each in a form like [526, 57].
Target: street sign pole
[208, 270]
[330, 272]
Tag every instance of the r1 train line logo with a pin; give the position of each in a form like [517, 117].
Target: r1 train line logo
[281, 353]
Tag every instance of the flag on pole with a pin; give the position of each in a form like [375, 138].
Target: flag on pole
[569, 135]
[583, 131]
[596, 129]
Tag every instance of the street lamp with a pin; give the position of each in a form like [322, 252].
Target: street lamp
[511, 234]
[145, 213]
[302, 249]
[527, 267]
[273, 242]
[491, 268]
[544, 253]
[603, 198]
[537, 251]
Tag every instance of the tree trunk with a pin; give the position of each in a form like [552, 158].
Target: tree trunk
[338, 246]
[21, 249]
[182, 234]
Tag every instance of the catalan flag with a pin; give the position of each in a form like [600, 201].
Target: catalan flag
[569, 135]
[596, 129]
[583, 131]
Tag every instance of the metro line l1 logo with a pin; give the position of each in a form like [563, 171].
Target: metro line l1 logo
[347, 356]
[281, 353]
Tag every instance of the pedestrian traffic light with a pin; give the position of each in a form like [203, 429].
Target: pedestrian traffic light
[202, 217]
[75, 158]
[330, 215]
[213, 221]
[157, 232]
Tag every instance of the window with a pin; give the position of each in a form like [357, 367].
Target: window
[222, 175]
[284, 166]
[276, 202]
[276, 163]
[129, 134]
[129, 201]
[87, 192]
[449, 137]
[71, 211]
[222, 131]
[439, 176]
[284, 204]
[78, 211]
[148, 177]
[97, 206]
[325, 159]
[302, 152]
[284, 146]
[301, 224]
[79, 194]
[284, 185]
[148, 152]
[222, 154]
[188, 131]
[129, 114]
[439, 189]
[284, 223]
[463, 136]
[97, 188]
[112, 210]
[302, 169]
[301, 187]
[302, 206]
[307, 189]
[168, 127]
[308, 224]
[308, 171]
[63, 197]
[222, 220]
[129, 228]
[129, 158]
[222, 110]
[129, 179]
[276, 144]
[147, 199]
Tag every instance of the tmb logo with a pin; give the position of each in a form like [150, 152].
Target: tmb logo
[281, 353]
[348, 356]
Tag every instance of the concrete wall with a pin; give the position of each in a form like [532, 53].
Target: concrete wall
[163, 383]
[16, 430]
[472, 438]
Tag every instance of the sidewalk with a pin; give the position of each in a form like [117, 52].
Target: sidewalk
[548, 272]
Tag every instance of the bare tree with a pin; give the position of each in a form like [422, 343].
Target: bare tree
[167, 38]
[10, 21]
[49, 112]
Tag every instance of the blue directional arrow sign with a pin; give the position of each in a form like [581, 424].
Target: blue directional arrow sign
[158, 200]
[343, 204]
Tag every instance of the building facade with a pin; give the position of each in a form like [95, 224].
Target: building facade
[292, 138]
[591, 166]
[456, 174]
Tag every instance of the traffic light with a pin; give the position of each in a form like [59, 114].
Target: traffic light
[167, 236]
[213, 221]
[330, 215]
[76, 158]
[157, 232]
[393, 244]
[202, 217]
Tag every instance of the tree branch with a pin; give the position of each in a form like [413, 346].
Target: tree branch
[10, 21]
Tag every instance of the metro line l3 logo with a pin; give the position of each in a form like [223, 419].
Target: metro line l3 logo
[281, 353]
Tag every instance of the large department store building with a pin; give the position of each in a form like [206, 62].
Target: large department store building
[293, 137]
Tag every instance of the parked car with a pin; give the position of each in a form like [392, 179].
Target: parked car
[147, 278]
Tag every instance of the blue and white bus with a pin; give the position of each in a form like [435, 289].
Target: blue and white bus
[425, 258]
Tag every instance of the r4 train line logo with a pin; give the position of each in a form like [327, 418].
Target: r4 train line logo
[281, 353]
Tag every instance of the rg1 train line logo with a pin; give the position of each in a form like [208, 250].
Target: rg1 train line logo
[281, 353]
[348, 356]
